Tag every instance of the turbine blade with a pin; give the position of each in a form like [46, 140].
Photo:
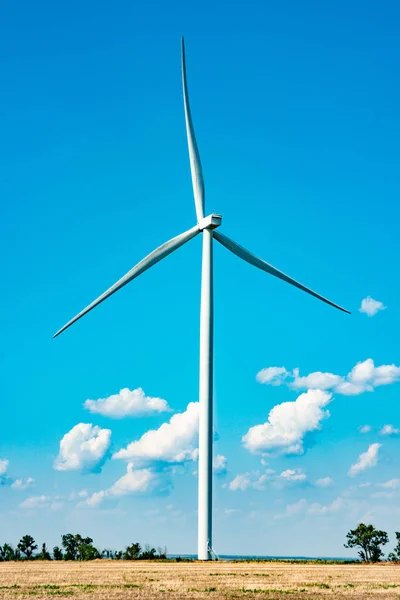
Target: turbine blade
[195, 164]
[264, 266]
[147, 262]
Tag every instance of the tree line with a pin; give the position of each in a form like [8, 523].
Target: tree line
[370, 541]
[76, 547]
[366, 538]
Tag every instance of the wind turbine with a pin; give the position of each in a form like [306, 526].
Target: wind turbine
[207, 225]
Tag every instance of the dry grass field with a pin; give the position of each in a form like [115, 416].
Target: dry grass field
[115, 580]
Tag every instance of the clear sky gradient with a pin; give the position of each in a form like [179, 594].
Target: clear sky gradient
[296, 111]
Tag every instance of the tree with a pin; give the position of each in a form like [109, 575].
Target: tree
[7, 552]
[395, 555]
[132, 552]
[70, 544]
[149, 553]
[78, 548]
[57, 553]
[44, 554]
[87, 552]
[369, 540]
[27, 546]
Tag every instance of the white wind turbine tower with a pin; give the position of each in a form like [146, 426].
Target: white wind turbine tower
[207, 225]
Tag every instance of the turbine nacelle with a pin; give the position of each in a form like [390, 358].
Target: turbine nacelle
[211, 222]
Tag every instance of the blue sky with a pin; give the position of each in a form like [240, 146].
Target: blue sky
[296, 110]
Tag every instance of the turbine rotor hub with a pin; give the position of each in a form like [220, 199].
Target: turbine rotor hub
[211, 222]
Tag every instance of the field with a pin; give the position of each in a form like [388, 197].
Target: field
[115, 580]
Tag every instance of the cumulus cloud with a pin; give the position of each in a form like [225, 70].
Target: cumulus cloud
[4, 479]
[392, 484]
[3, 465]
[315, 381]
[36, 502]
[52, 502]
[370, 307]
[314, 509]
[272, 375]
[127, 403]
[389, 430]
[84, 448]
[257, 480]
[16, 484]
[20, 484]
[288, 423]
[220, 465]
[293, 475]
[320, 509]
[324, 482]
[366, 460]
[135, 481]
[251, 480]
[240, 482]
[364, 377]
[293, 509]
[365, 428]
[80, 494]
[172, 442]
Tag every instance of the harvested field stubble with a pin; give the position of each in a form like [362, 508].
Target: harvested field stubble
[115, 580]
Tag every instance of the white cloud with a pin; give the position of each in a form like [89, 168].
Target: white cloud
[3, 465]
[316, 381]
[20, 484]
[17, 484]
[366, 460]
[240, 482]
[80, 494]
[173, 442]
[324, 482]
[370, 307]
[314, 509]
[127, 403]
[272, 375]
[293, 509]
[288, 423]
[135, 481]
[392, 484]
[83, 448]
[36, 502]
[220, 465]
[95, 499]
[364, 377]
[139, 480]
[257, 480]
[231, 511]
[389, 430]
[251, 480]
[365, 428]
[293, 475]
[319, 509]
